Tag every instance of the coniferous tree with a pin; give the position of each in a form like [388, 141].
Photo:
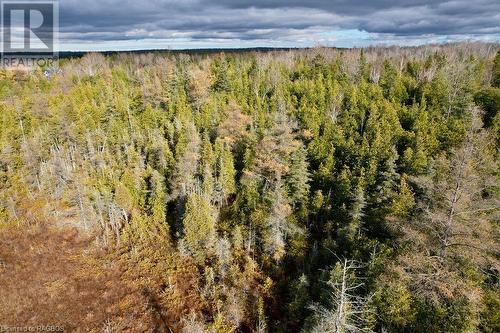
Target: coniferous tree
[226, 173]
[223, 187]
[496, 71]
[298, 178]
[199, 223]
[276, 225]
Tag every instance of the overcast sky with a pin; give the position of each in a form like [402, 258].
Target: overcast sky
[179, 24]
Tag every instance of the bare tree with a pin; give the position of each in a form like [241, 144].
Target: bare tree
[348, 311]
[458, 212]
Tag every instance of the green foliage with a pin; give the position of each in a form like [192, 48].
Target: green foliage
[404, 199]
[298, 179]
[261, 172]
[495, 80]
[199, 227]
[490, 317]
[393, 303]
[489, 100]
[225, 170]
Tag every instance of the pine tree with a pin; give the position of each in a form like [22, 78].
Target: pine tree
[206, 166]
[456, 210]
[387, 179]
[495, 80]
[276, 225]
[220, 81]
[226, 173]
[187, 156]
[358, 207]
[298, 177]
[199, 227]
[404, 199]
[274, 150]
[158, 199]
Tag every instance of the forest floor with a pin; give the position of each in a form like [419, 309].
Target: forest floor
[55, 278]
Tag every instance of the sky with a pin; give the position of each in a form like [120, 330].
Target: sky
[96, 25]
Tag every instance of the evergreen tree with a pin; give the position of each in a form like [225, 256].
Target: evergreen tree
[224, 188]
[206, 166]
[226, 173]
[276, 225]
[298, 178]
[199, 223]
[496, 71]
[158, 204]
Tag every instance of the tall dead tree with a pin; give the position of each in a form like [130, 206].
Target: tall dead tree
[347, 313]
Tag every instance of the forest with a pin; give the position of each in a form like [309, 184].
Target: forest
[311, 190]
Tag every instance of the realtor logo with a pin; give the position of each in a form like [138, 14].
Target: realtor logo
[29, 30]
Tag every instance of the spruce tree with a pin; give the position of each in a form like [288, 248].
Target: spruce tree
[298, 177]
[199, 224]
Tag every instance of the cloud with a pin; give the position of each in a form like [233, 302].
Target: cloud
[276, 23]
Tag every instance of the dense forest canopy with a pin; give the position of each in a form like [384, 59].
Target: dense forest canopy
[315, 190]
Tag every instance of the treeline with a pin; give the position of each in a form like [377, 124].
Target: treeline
[317, 191]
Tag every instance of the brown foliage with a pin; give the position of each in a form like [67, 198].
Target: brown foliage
[54, 277]
[233, 128]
